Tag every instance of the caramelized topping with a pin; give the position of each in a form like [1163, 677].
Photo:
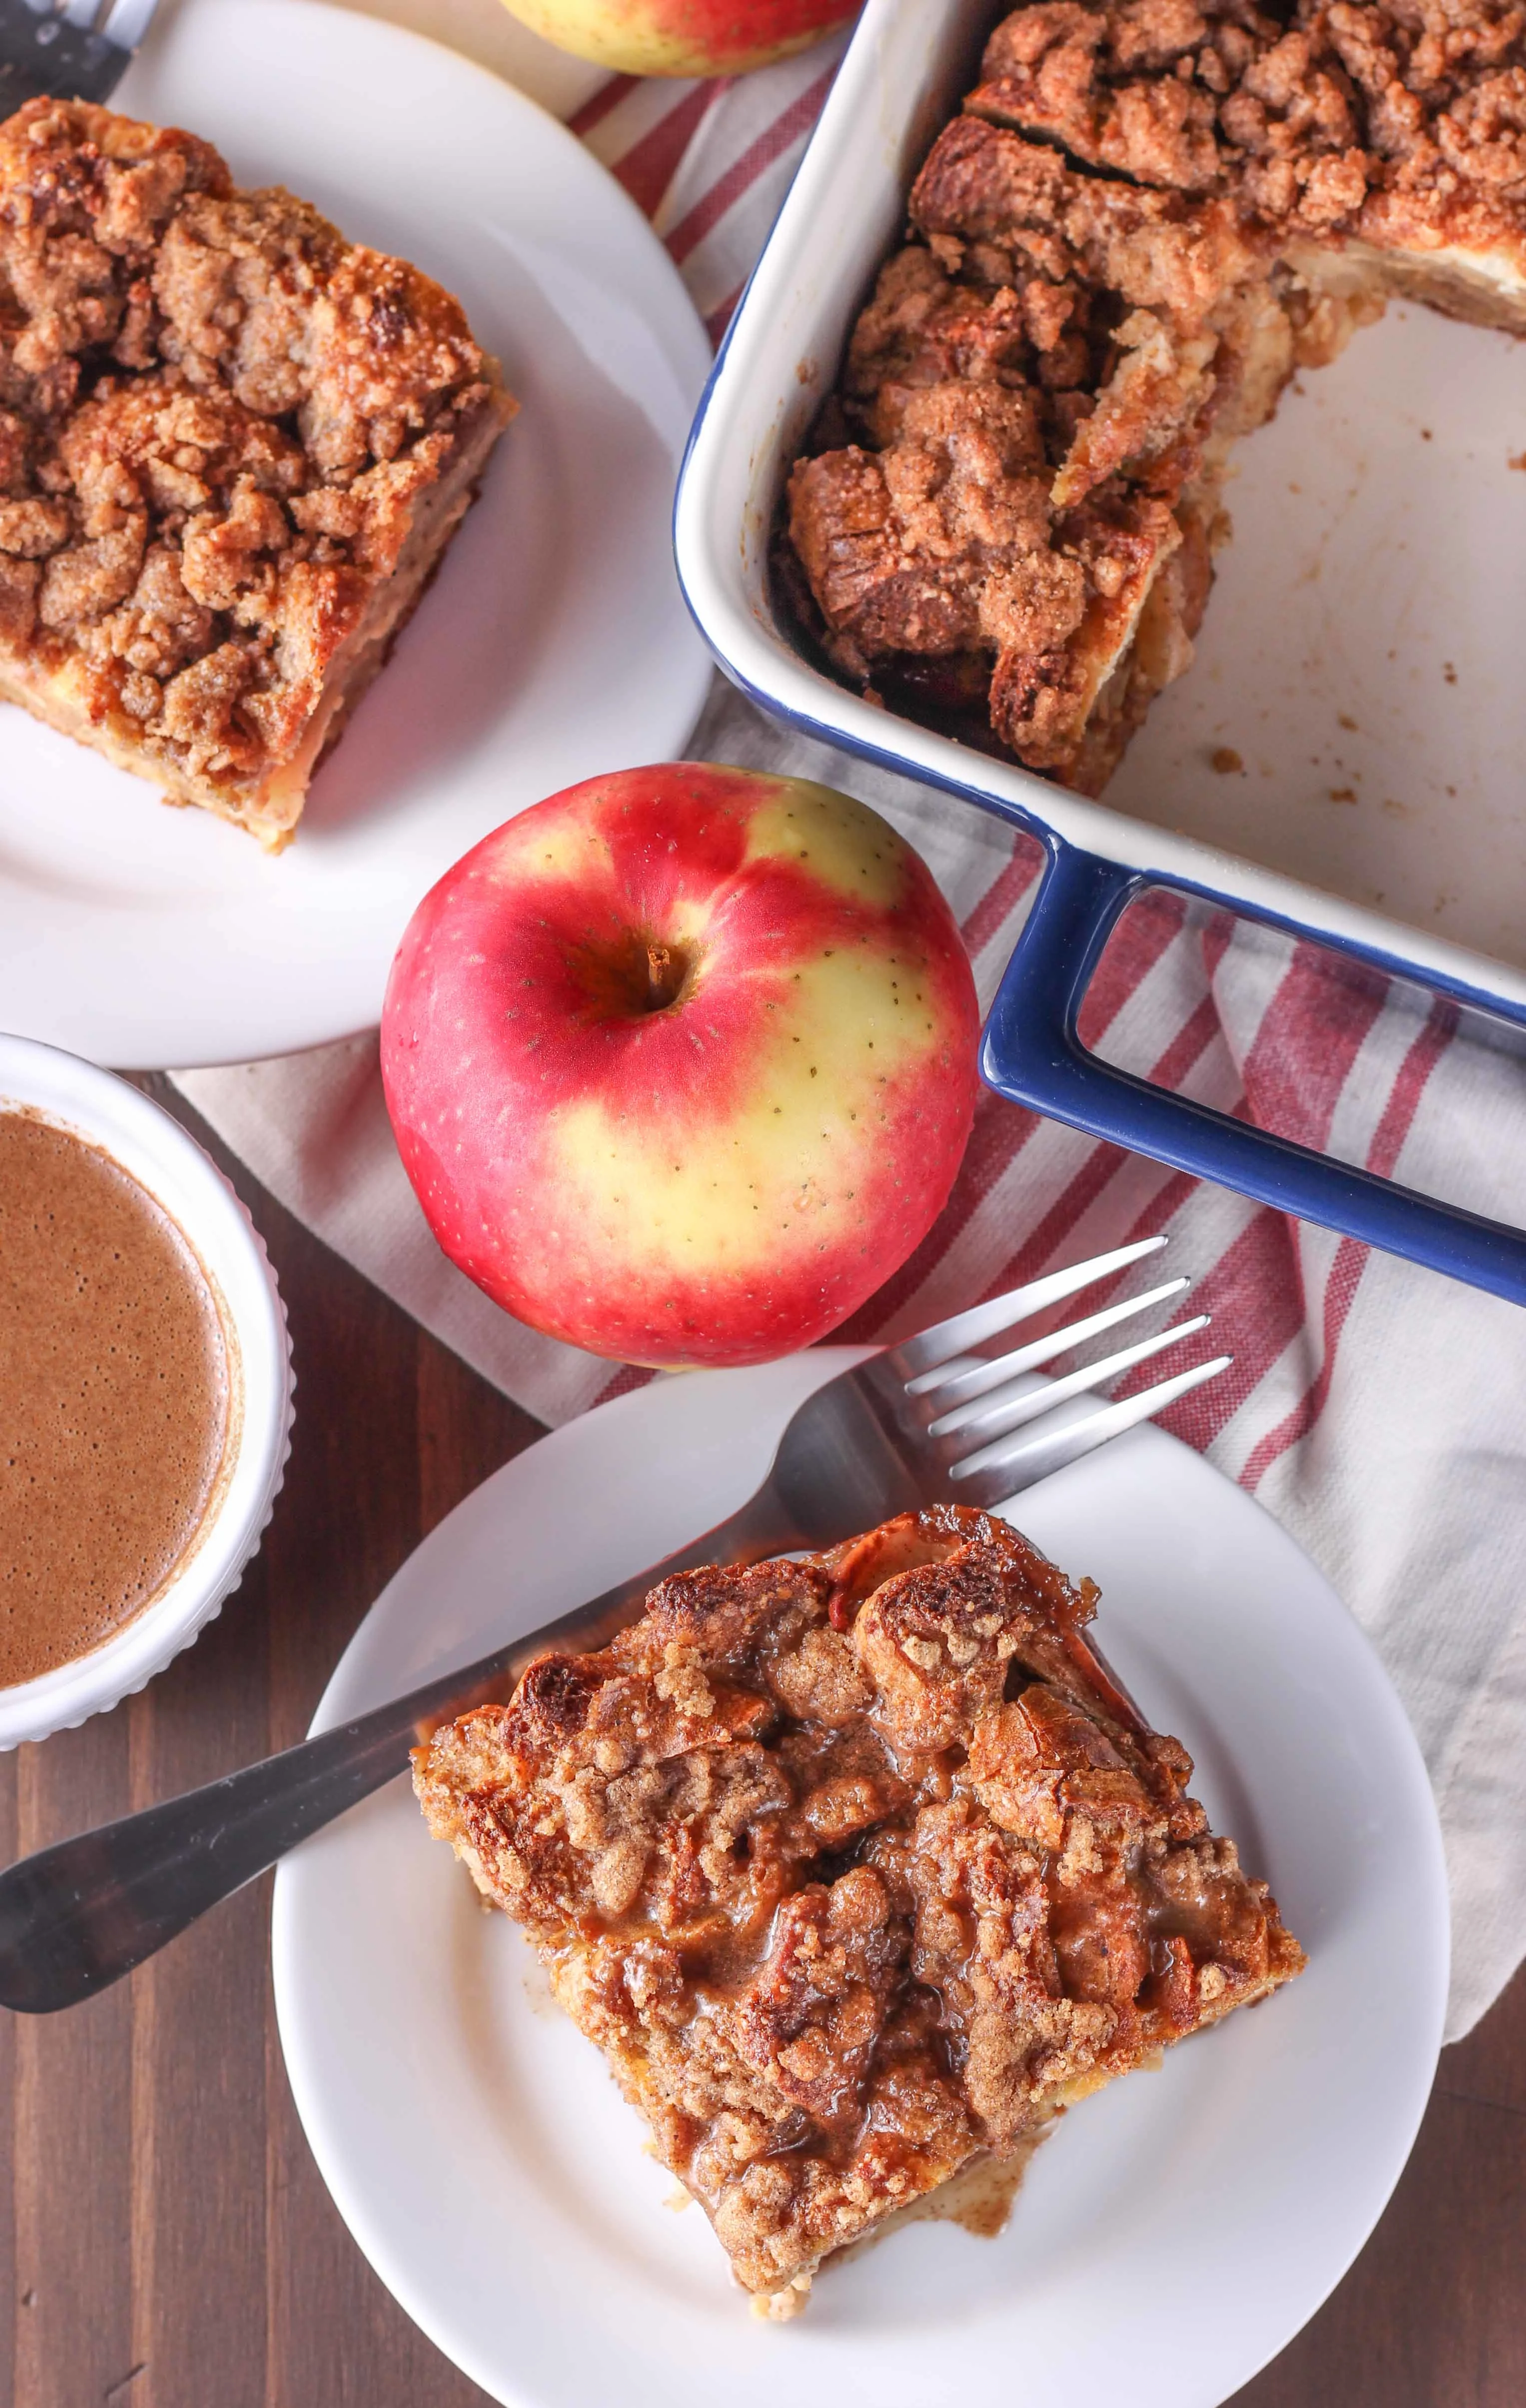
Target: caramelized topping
[856, 1868]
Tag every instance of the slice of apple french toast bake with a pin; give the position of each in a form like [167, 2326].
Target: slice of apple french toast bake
[858, 1870]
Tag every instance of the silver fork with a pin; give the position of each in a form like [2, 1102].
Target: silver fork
[920, 1424]
[67, 49]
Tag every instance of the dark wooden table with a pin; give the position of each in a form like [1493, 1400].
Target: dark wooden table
[166, 2241]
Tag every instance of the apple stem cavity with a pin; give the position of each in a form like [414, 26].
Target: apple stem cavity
[631, 974]
[667, 974]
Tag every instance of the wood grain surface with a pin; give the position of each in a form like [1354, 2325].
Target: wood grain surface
[166, 2240]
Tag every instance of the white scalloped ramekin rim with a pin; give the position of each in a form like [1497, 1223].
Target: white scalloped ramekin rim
[163, 1157]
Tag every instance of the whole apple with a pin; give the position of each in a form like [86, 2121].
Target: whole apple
[682, 1062]
[683, 37]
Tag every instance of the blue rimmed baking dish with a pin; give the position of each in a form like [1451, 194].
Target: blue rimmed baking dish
[1358, 522]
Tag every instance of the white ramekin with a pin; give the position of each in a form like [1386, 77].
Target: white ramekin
[161, 1158]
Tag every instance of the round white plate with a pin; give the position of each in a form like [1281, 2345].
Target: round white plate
[553, 644]
[1169, 2237]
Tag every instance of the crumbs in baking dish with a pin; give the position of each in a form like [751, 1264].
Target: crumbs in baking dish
[1148, 215]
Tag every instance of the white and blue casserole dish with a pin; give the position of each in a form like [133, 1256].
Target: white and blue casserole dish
[1358, 671]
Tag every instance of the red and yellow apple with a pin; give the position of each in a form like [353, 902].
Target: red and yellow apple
[682, 1062]
[683, 37]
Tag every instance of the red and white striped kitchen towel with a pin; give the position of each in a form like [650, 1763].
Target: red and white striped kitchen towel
[1377, 1410]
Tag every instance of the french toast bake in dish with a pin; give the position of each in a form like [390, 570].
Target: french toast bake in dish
[1150, 214]
[233, 449]
[857, 1868]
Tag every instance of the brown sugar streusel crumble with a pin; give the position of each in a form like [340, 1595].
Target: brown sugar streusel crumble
[858, 1870]
[233, 449]
[1148, 215]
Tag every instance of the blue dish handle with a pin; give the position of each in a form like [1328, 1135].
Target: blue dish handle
[1033, 1054]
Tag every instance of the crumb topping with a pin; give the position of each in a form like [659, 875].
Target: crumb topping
[1121, 248]
[1300, 114]
[217, 420]
[855, 1868]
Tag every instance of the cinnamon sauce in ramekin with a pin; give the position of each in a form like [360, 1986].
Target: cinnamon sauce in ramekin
[114, 1396]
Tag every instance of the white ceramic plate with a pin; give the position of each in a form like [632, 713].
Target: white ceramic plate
[553, 644]
[1169, 2238]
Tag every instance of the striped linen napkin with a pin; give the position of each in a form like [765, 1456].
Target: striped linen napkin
[1377, 1410]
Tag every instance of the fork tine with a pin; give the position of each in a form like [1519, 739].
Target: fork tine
[1033, 1459]
[127, 22]
[957, 1387]
[963, 1330]
[991, 1422]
